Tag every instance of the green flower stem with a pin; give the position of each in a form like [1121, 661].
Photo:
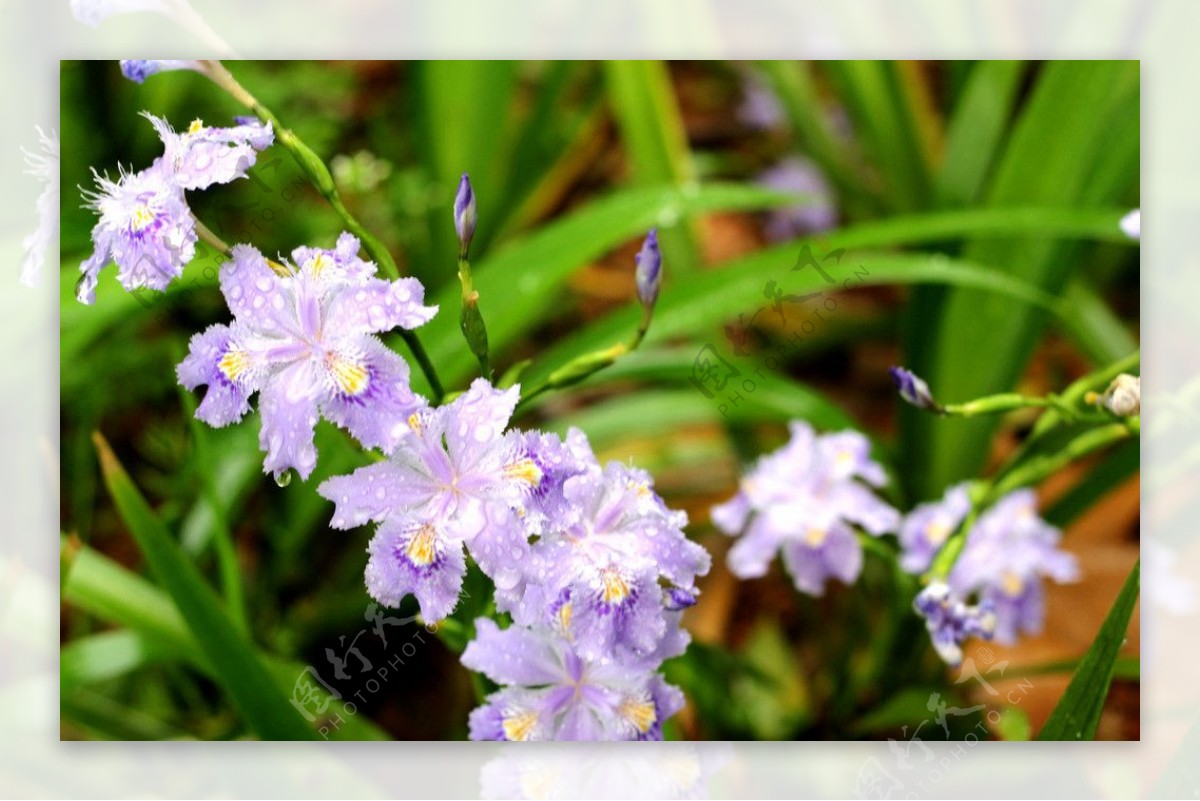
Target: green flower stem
[643, 327]
[1077, 391]
[1072, 397]
[473, 328]
[205, 233]
[577, 370]
[1036, 469]
[584, 366]
[318, 173]
[1007, 402]
[948, 555]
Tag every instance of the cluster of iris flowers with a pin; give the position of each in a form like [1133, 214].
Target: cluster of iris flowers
[591, 570]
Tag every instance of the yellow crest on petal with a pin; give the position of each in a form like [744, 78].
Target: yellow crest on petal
[234, 363]
[1012, 584]
[422, 548]
[936, 533]
[141, 217]
[640, 713]
[519, 727]
[525, 471]
[614, 588]
[350, 377]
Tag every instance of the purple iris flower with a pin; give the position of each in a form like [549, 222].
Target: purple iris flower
[145, 227]
[456, 479]
[814, 215]
[598, 573]
[1009, 551]
[804, 501]
[205, 155]
[926, 528]
[303, 338]
[951, 621]
[551, 692]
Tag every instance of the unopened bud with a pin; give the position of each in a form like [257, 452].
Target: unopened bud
[913, 388]
[464, 214]
[1123, 396]
[649, 270]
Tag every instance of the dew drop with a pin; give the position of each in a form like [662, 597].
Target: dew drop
[284, 478]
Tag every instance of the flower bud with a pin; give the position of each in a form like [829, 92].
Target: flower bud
[677, 598]
[649, 270]
[139, 70]
[464, 214]
[913, 389]
[1123, 396]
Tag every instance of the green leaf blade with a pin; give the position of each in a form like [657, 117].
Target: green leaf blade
[231, 655]
[1077, 713]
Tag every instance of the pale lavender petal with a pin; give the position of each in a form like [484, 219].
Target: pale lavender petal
[842, 554]
[513, 713]
[751, 555]
[929, 525]
[636, 622]
[255, 293]
[225, 401]
[479, 416]
[580, 724]
[288, 407]
[511, 656]
[376, 415]
[412, 557]
[807, 567]
[731, 516]
[376, 305]
[500, 544]
[373, 492]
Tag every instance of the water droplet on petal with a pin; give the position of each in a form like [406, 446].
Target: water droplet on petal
[284, 478]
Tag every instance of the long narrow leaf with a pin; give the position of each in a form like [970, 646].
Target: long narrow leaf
[981, 343]
[232, 656]
[701, 305]
[652, 132]
[1077, 713]
[977, 130]
[115, 595]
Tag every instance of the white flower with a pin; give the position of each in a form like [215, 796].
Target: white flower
[1131, 224]
[44, 166]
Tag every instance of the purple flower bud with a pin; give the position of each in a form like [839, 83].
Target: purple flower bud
[649, 270]
[677, 598]
[464, 213]
[139, 70]
[913, 389]
[950, 620]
